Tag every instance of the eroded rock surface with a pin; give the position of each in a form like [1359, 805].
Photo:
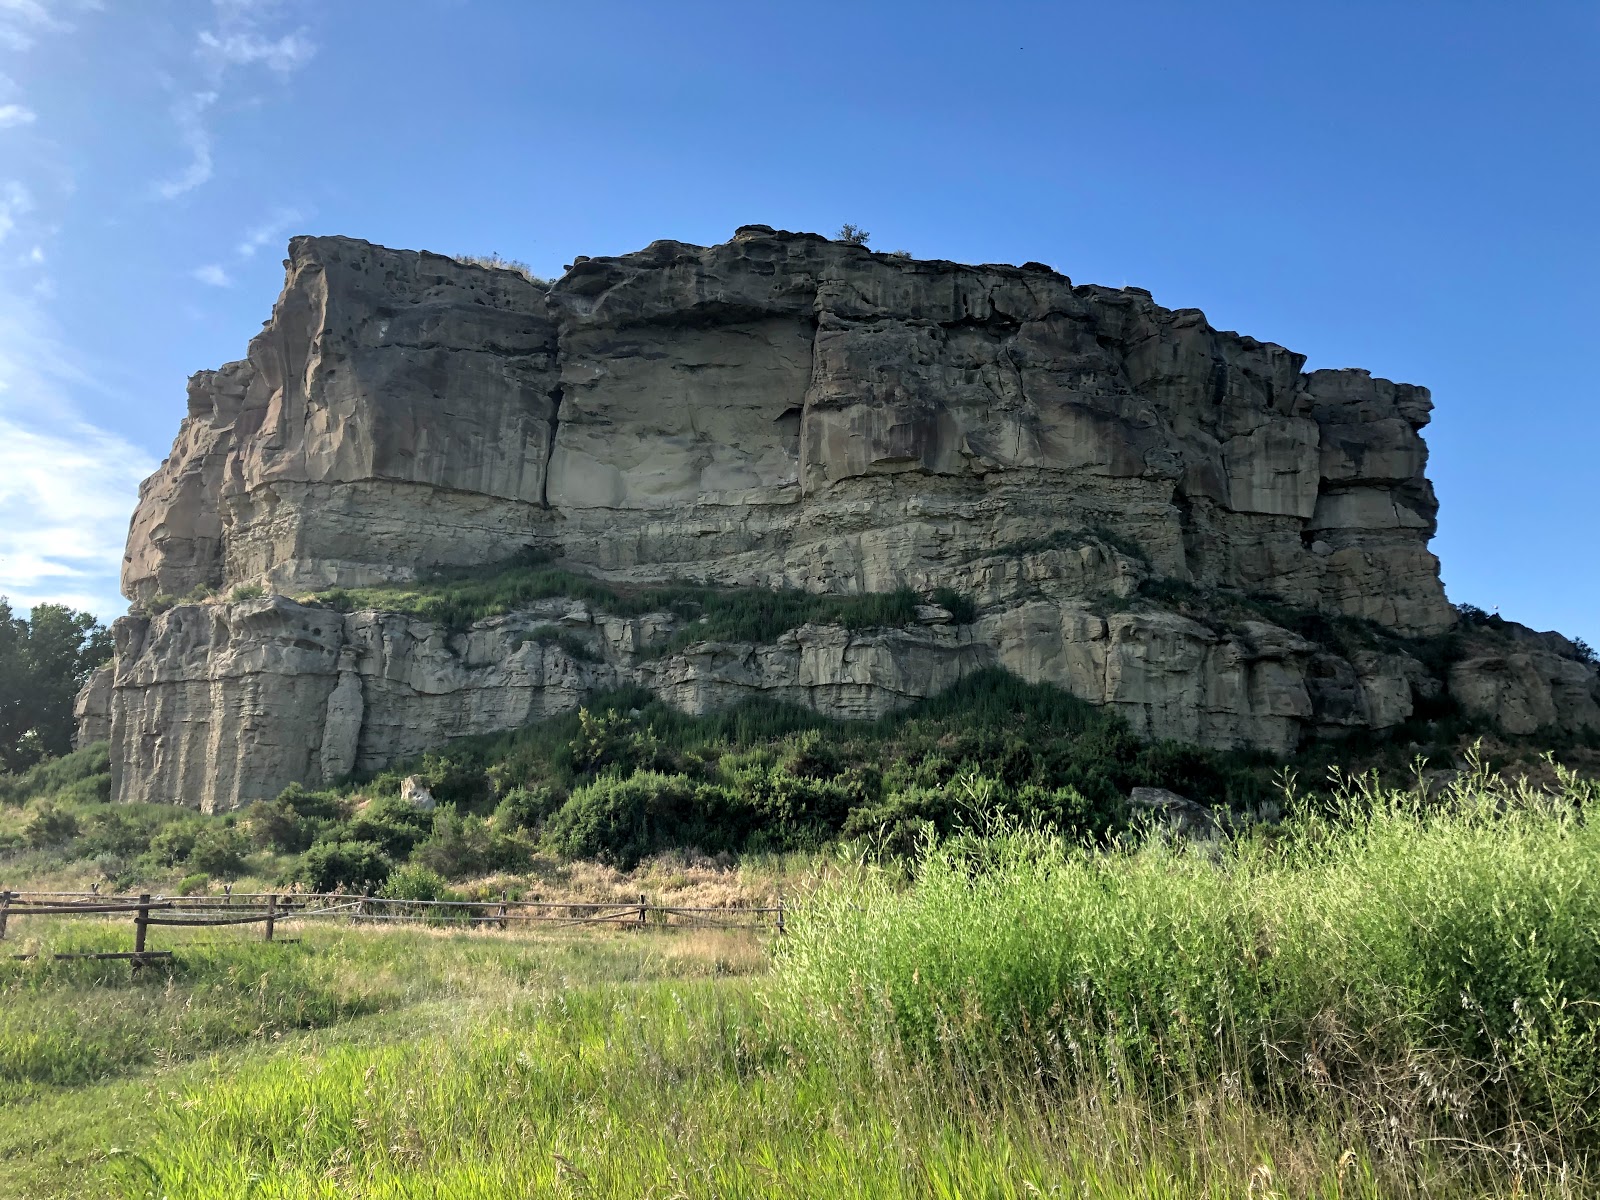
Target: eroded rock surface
[778, 410]
[216, 705]
[1527, 682]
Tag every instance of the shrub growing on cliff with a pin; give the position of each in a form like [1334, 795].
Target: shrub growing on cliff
[959, 605]
[496, 262]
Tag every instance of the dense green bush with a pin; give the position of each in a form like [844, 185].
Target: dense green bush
[49, 824]
[172, 845]
[621, 819]
[749, 805]
[461, 844]
[126, 832]
[348, 866]
[411, 881]
[390, 823]
[219, 851]
[295, 818]
[901, 821]
[524, 808]
[627, 776]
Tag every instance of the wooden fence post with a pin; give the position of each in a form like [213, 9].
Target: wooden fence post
[502, 908]
[780, 912]
[5, 907]
[641, 910]
[272, 915]
[141, 923]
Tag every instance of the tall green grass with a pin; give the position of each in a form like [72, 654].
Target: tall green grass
[686, 1090]
[1433, 965]
[81, 1021]
[1390, 999]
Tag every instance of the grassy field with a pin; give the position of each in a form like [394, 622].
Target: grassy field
[1391, 1000]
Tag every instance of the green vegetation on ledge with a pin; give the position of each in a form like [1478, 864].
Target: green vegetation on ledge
[456, 599]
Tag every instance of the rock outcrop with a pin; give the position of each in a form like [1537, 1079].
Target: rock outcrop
[1527, 682]
[776, 411]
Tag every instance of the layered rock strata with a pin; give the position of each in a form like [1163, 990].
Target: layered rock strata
[215, 705]
[776, 411]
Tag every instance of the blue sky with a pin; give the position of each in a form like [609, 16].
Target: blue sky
[1407, 187]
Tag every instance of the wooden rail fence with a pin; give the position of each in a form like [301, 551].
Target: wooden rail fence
[272, 909]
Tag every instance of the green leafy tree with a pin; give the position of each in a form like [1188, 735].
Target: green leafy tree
[44, 660]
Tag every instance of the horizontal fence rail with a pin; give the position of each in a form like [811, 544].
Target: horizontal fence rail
[272, 909]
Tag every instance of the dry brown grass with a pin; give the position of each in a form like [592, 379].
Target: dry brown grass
[680, 877]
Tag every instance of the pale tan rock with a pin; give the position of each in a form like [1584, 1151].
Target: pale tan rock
[1528, 690]
[415, 793]
[91, 709]
[218, 705]
[779, 409]
[776, 411]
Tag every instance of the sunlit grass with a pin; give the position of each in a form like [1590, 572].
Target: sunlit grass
[1396, 1000]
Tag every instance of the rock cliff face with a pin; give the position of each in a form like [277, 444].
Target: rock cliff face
[776, 411]
[779, 409]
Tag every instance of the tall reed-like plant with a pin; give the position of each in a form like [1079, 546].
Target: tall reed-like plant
[1437, 960]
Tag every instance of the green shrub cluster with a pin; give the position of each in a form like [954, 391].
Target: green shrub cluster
[627, 776]
[63, 814]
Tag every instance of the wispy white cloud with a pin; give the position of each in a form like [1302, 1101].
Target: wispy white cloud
[189, 113]
[22, 21]
[213, 275]
[283, 55]
[241, 40]
[16, 114]
[15, 201]
[269, 231]
[67, 486]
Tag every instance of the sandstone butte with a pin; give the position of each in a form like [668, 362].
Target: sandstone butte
[777, 411]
